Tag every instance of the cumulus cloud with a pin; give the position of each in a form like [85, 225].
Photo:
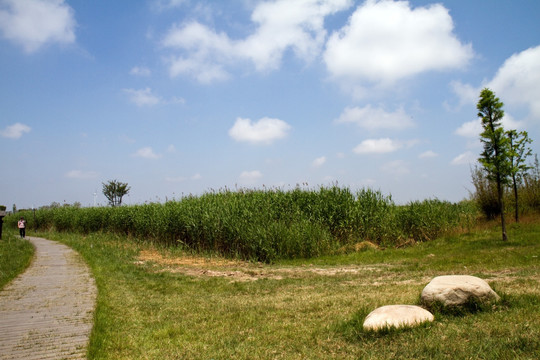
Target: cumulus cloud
[466, 158]
[34, 23]
[15, 131]
[318, 162]
[470, 129]
[250, 177]
[517, 80]
[376, 146]
[281, 25]
[515, 83]
[79, 174]
[376, 118]
[473, 128]
[284, 24]
[385, 41]
[203, 51]
[147, 153]
[466, 93]
[381, 146]
[264, 131]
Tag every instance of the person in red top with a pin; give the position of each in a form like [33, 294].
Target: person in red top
[22, 227]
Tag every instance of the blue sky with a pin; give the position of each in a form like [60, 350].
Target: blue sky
[181, 96]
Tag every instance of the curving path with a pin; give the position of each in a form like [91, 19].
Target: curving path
[47, 312]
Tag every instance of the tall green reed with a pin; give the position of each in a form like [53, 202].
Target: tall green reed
[266, 225]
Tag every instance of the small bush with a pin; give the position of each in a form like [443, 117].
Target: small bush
[486, 194]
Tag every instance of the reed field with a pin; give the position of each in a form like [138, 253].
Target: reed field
[266, 225]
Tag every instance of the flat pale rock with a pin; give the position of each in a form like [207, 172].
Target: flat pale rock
[396, 316]
[456, 290]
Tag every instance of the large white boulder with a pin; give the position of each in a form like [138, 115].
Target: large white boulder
[396, 316]
[456, 290]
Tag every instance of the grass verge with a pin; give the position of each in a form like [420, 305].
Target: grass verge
[15, 256]
[156, 302]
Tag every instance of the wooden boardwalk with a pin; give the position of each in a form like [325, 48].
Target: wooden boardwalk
[47, 312]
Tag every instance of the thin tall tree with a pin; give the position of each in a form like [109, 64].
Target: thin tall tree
[519, 151]
[495, 157]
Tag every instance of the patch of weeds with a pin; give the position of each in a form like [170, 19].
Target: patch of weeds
[15, 256]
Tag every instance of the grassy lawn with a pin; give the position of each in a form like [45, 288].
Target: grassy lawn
[15, 256]
[160, 303]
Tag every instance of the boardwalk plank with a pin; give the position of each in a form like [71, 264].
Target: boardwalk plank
[47, 312]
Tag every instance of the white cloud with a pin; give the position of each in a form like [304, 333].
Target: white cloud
[284, 24]
[205, 52]
[376, 118]
[466, 93]
[470, 129]
[385, 41]
[79, 174]
[318, 162]
[250, 177]
[516, 81]
[473, 129]
[34, 23]
[143, 97]
[509, 122]
[381, 146]
[147, 153]
[280, 25]
[140, 71]
[466, 158]
[15, 131]
[264, 131]
[428, 154]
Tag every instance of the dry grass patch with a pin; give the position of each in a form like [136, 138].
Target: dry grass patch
[242, 271]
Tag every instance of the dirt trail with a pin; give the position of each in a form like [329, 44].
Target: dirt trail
[47, 312]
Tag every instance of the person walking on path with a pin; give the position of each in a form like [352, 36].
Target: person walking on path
[22, 227]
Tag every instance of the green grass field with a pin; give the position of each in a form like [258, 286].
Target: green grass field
[15, 256]
[159, 302]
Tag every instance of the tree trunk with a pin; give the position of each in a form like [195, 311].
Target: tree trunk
[501, 208]
[516, 197]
